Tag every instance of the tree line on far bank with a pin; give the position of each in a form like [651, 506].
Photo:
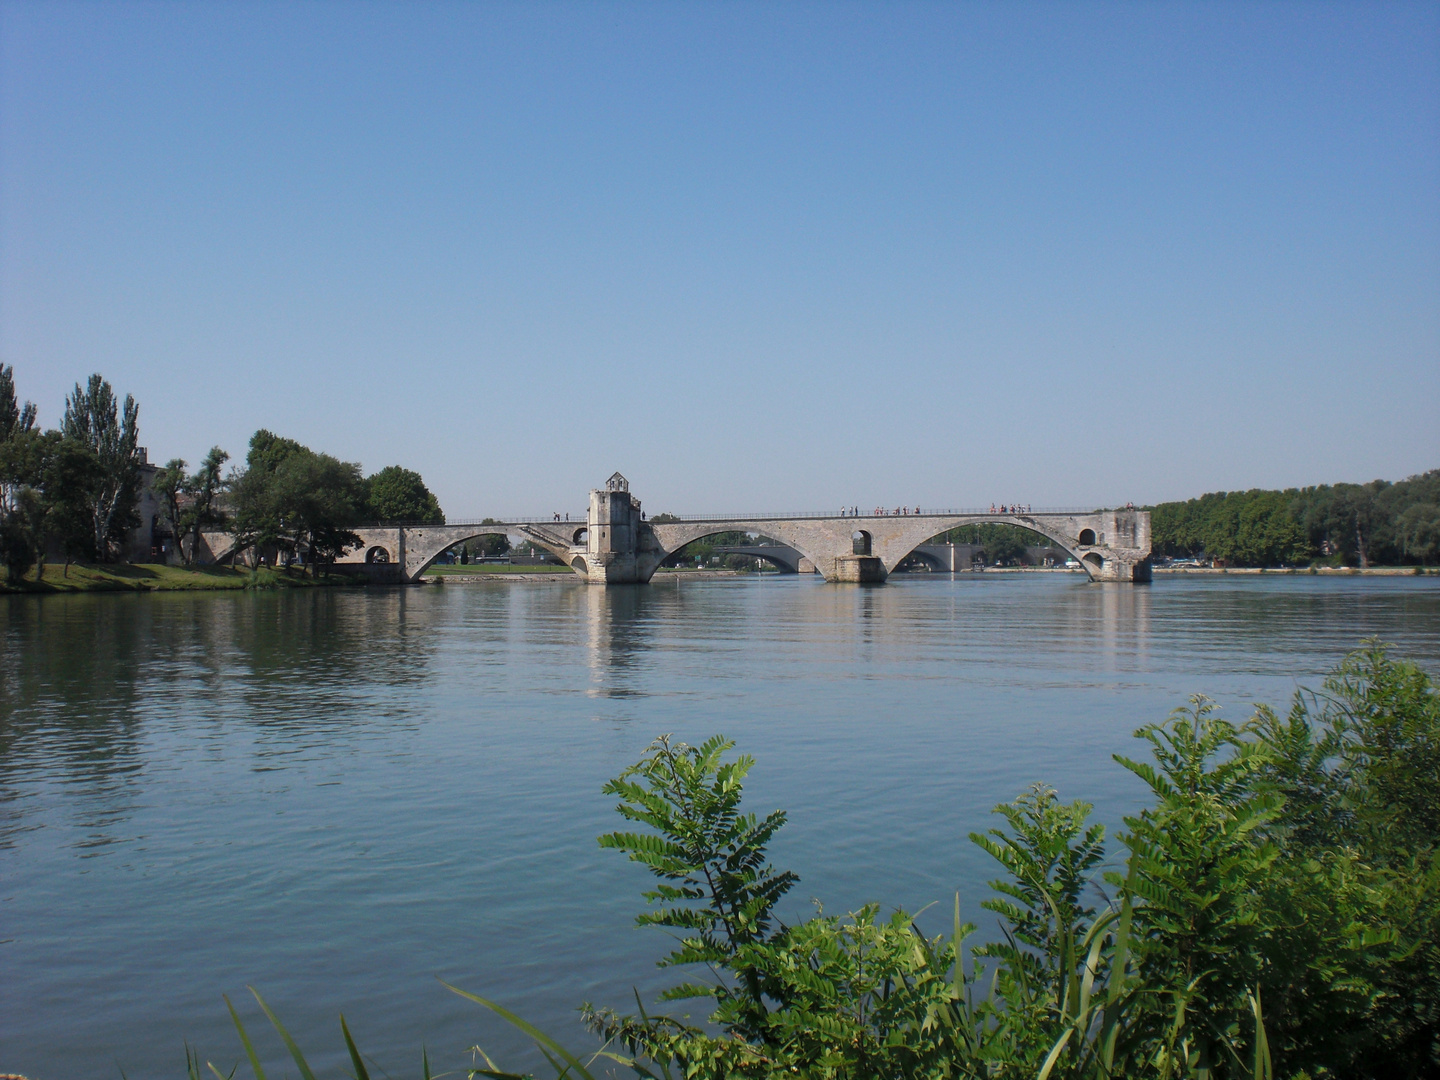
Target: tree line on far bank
[1374, 524]
[76, 490]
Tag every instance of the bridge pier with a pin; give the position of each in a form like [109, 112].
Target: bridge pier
[858, 569]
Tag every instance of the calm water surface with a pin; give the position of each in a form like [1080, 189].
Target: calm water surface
[337, 796]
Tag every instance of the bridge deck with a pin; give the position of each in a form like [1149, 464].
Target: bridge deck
[721, 519]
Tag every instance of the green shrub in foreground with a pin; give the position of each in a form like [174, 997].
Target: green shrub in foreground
[1278, 915]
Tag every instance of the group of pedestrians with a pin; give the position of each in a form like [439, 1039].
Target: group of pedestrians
[879, 511]
[1009, 509]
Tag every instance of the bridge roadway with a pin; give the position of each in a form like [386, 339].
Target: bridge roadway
[616, 544]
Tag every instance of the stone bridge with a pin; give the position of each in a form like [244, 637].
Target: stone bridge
[616, 544]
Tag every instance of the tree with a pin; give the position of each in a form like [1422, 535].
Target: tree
[70, 473]
[320, 498]
[203, 488]
[292, 500]
[256, 522]
[399, 494]
[1245, 528]
[1363, 524]
[93, 418]
[169, 487]
[17, 471]
[189, 500]
[1346, 517]
[1418, 532]
[54, 483]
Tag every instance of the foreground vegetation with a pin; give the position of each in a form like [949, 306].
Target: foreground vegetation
[157, 577]
[1273, 912]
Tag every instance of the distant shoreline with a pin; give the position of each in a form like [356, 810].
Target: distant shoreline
[1330, 571]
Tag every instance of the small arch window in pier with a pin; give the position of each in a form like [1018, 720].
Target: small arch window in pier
[860, 542]
[1087, 537]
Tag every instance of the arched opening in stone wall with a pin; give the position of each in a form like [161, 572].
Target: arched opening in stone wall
[579, 563]
[986, 544]
[1086, 537]
[715, 551]
[762, 562]
[377, 554]
[581, 536]
[924, 562]
[860, 542]
[1095, 561]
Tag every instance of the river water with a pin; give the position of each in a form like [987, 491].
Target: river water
[337, 796]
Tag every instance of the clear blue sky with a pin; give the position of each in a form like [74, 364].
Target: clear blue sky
[755, 256]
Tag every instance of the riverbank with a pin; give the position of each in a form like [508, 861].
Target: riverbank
[156, 577]
[1325, 571]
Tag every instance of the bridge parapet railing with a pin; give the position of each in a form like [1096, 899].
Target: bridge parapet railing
[792, 515]
[539, 519]
[765, 515]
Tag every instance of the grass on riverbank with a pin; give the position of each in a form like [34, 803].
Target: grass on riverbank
[155, 577]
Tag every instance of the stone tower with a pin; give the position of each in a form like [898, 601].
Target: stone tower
[615, 534]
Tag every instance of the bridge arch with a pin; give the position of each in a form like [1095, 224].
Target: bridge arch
[451, 541]
[932, 562]
[1091, 562]
[754, 549]
[784, 565]
[673, 536]
[781, 556]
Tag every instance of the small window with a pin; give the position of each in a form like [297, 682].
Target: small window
[860, 542]
[1087, 537]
